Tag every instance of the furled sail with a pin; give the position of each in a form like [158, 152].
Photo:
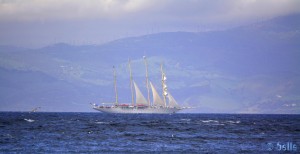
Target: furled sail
[164, 85]
[156, 98]
[172, 101]
[140, 99]
[164, 79]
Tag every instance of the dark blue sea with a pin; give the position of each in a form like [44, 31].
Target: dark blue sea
[184, 133]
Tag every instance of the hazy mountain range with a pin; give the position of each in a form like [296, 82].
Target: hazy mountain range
[248, 69]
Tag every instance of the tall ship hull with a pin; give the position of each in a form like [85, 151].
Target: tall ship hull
[147, 110]
[167, 105]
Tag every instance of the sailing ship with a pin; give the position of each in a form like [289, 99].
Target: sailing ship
[165, 105]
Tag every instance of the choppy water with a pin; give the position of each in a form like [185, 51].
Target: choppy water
[96, 132]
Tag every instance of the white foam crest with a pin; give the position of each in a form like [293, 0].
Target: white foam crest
[217, 124]
[210, 121]
[185, 119]
[233, 122]
[29, 120]
[101, 122]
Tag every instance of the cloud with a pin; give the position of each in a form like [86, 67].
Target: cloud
[193, 10]
[69, 9]
[37, 23]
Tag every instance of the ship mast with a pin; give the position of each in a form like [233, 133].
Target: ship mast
[147, 80]
[115, 84]
[132, 99]
[163, 82]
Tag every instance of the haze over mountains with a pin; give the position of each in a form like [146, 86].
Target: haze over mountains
[249, 69]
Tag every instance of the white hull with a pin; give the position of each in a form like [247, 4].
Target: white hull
[147, 110]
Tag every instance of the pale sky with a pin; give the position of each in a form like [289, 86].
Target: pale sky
[37, 23]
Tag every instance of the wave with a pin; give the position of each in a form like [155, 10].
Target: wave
[216, 122]
[101, 122]
[209, 121]
[233, 122]
[29, 120]
[185, 119]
